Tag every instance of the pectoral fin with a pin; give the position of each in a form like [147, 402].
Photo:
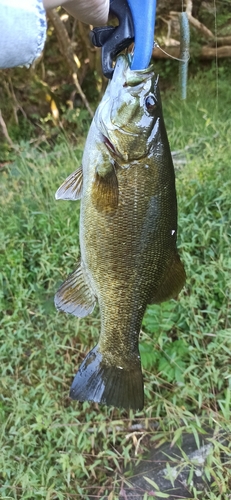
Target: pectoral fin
[172, 282]
[71, 188]
[105, 191]
[75, 296]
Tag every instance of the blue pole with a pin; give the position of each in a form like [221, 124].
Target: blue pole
[144, 15]
[184, 53]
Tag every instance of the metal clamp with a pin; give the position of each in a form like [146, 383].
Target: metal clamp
[114, 39]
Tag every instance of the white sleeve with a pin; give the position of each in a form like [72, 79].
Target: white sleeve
[22, 32]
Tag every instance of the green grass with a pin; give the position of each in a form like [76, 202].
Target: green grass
[54, 448]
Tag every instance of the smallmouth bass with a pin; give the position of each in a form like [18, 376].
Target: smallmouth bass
[128, 232]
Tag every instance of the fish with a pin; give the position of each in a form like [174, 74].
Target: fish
[128, 233]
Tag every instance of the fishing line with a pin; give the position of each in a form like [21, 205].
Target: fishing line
[216, 59]
[156, 45]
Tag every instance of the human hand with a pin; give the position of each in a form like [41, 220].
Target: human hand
[88, 11]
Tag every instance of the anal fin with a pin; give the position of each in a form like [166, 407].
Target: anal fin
[172, 282]
[75, 296]
[71, 188]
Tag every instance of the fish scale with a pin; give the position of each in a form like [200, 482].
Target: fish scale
[128, 229]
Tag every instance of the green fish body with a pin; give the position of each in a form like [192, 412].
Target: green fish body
[128, 231]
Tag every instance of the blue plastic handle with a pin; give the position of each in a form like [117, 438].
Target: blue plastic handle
[144, 15]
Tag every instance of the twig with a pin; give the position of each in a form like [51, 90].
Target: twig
[5, 131]
[194, 22]
[189, 7]
[200, 27]
[81, 93]
[206, 52]
[15, 104]
[221, 41]
[212, 52]
[10, 95]
[68, 52]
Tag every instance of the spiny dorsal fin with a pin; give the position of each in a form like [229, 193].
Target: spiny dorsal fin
[172, 282]
[105, 191]
[71, 188]
[75, 296]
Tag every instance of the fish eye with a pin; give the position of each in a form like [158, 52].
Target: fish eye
[150, 103]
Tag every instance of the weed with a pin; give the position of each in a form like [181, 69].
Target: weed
[54, 448]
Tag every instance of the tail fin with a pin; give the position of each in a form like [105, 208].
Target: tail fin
[106, 384]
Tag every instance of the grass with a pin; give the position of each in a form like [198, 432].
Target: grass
[54, 448]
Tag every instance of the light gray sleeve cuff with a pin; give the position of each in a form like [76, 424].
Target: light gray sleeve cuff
[22, 32]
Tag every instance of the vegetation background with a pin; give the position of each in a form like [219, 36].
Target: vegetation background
[52, 447]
